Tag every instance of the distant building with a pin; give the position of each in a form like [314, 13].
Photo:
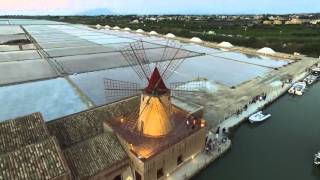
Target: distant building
[294, 21]
[271, 18]
[317, 21]
[152, 19]
[277, 22]
[267, 22]
[257, 17]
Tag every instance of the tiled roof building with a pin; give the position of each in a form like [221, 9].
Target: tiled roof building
[36, 161]
[76, 128]
[81, 126]
[90, 150]
[30, 148]
[96, 155]
[22, 131]
[28, 152]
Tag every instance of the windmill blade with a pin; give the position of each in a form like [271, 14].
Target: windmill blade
[164, 106]
[172, 57]
[131, 119]
[169, 54]
[173, 67]
[134, 116]
[135, 55]
[181, 89]
[116, 90]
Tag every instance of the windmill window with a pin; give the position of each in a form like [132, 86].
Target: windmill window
[179, 160]
[117, 177]
[138, 176]
[159, 173]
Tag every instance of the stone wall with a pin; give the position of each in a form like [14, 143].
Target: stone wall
[168, 159]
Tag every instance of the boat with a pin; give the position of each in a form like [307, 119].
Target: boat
[297, 88]
[316, 160]
[310, 79]
[315, 71]
[259, 117]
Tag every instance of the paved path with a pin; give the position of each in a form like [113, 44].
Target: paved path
[199, 162]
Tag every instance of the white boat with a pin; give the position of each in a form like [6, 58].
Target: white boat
[316, 160]
[259, 117]
[310, 79]
[315, 71]
[298, 88]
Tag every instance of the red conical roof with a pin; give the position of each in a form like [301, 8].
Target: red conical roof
[156, 83]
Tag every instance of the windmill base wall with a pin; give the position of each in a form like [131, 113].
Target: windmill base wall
[168, 158]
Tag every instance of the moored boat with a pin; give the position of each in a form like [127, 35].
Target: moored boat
[259, 117]
[298, 88]
[310, 79]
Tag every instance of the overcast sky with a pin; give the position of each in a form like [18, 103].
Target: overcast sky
[65, 7]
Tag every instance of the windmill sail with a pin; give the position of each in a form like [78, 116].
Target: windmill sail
[153, 116]
[116, 90]
[180, 89]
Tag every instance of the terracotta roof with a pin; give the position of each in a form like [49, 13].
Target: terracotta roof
[22, 131]
[73, 129]
[28, 152]
[94, 155]
[36, 161]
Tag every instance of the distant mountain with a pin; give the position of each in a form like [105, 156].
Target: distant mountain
[97, 12]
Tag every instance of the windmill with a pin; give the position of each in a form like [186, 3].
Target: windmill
[153, 116]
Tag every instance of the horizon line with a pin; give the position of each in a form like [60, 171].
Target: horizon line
[157, 14]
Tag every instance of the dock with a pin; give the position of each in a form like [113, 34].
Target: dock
[194, 166]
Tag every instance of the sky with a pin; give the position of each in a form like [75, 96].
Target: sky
[69, 7]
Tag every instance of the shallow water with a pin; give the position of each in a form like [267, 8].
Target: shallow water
[53, 98]
[280, 148]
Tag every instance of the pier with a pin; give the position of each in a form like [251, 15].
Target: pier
[199, 162]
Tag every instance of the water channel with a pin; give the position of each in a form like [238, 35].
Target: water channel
[280, 148]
